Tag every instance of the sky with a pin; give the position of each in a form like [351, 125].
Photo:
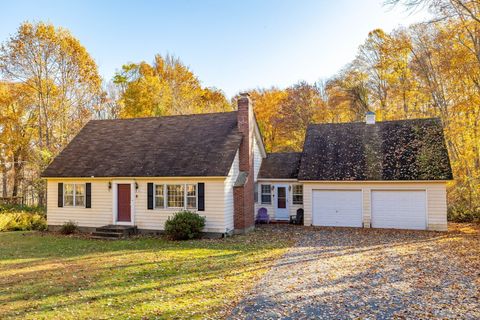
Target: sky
[230, 45]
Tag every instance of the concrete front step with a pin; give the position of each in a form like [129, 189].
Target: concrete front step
[108, 234]
[113, 232]
[103, 238]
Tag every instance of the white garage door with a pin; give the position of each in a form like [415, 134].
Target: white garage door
[399, 209]
[337, 208]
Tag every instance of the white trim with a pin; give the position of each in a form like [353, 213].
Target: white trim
[293, 193]
[74, 205]
[133, 191]
[138, 178]
[372, 181]
[279, 180]
[261, 193]
[165, 196]
[287, 205]
[155, 196]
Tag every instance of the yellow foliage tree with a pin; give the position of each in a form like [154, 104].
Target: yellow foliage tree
[167, 87]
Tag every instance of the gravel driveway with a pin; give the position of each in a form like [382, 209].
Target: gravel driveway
[345, 273]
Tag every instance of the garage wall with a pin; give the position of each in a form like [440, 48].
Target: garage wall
[436, 198]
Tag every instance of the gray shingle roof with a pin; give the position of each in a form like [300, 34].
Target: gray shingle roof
[280, 165]
[190, 145]
[389, 150]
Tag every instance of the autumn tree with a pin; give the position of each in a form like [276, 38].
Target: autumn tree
[17, 125]
[302, 106]
[61, 80]
[348, 95]
[266, 104]
[165, 87]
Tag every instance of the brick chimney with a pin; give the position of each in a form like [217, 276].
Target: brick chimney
[244, 119]
[243, 188]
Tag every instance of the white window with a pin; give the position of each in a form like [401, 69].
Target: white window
[266, 194]
[73, 195]
[297, 194]
[191, 195]
[175, 196]
[160, 196]
[68, 195]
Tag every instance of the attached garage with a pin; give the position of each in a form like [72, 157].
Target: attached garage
[399, 209]
[337, 208]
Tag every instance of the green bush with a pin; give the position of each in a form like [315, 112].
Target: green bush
[184, 225]
[69, 227]
[460, 213]
[22, 221]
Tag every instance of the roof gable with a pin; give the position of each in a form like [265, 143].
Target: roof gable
[189, 145]
[389, 150]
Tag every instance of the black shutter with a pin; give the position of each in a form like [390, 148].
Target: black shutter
[60, 194]
[201, 196]
[88, 195]
[150, 196]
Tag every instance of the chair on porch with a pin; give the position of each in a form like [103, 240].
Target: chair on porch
[298, 218]
[262, 216]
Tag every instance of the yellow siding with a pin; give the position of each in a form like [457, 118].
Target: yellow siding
[101, 212]
[436, 198]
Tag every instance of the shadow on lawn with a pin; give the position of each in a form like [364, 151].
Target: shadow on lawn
[85, 271]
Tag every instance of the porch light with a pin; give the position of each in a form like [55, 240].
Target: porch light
[109, 185]
[273, 187]
[136, 185]
[289, 188]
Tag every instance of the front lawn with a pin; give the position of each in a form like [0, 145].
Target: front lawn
[46, 276]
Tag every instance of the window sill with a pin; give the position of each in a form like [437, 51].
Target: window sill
[174, 209]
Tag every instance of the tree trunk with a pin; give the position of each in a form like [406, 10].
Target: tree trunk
[17, 173]
[4, 180]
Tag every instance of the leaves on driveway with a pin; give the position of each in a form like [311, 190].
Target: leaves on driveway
[345, 273]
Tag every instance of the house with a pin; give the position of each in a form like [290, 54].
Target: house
[138, 172]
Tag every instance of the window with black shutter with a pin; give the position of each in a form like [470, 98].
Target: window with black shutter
[201, 196]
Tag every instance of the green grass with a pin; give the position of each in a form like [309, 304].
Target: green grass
[46, 276]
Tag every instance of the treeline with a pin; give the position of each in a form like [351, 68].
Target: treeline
[51, 88]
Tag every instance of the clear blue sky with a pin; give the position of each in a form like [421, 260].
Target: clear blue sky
[231, 45]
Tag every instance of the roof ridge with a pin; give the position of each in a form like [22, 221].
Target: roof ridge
[378, 122]
[168, 116]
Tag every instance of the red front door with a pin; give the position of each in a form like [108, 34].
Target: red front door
[123, 203]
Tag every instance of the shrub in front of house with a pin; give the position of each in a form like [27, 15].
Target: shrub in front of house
[69, 227]
[184, 225]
